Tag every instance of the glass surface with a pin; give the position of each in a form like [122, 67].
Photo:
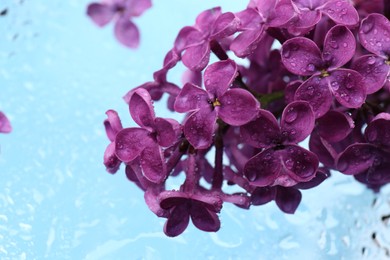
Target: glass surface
[58, 75]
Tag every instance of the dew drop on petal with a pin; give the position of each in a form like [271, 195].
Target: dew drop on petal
[310, 67]
[371, 60]
[291, 115]
[345, 45]
[372, 135]
[333, 44]
[289, 164]
[330, 11]
[335, 85]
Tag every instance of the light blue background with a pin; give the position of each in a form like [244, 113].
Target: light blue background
[58, 75]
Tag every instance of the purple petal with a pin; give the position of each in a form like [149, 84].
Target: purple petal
[299, 165]
[304, 21]
[193, 77]
[250, 19]
[334, 126]
[199, 128]
[110, 159]
[378, 130]
[339, 46]
[374, 34]
[197, 57]
[127, 33]
[321, 175]
[263, 195]
[297, 121]
[170, 199]
[325, 152]
[357, 158]
[101, 14]
[283, 12]
[219, 76]
[316, 91]
[151, 199]
[137, 7]
[374, 71]
[238, 107]
[203, 218]
[190, 98]
[225, 25]
[112, 124]
[301, 56]
[141, 109]
[177, 221]
[5, 125]
[130, 142]
[188, 36]
[347, 87]
[261, 132]
[153, 163]
[263, 168]
[246, 42]
[291, 88]
[288, 199]
[168, 131]
[341, 12]
[207, 18]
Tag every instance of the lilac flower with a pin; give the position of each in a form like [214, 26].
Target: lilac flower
[282, 162]
[287, 198]
[301, 56]
[181, 206]
[309, 12]
[255, 20]
[374, 34]
[122, 11]
[146, 142]
[370, 160]
[5, 125]
[113, 125]
[233, 106]
[211, 25]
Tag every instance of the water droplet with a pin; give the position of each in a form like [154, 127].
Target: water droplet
[345, 45]
[335, 85]
[371, 60]
[286, 54]
[339, 3]
[291, 115]
[333, 44]
[330, 11]
[293, 132]
[379, 44]
[343, 11]
[289, 164]
[372, 135]
[310, 67]
[293, 64]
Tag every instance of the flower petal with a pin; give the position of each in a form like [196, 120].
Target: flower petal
[261, 132]
[316, 91]
[110, 159]
[101, 14]
[168, 131]
[334, 126]
[130, 142]
[325, 152]
[297, 121]
[288, 199]
[219, 76]
[347, 87]
[357, 158]
[207, 18]
[203, 218]
[374, 34]
[188, 36]
[374, 71]
[177, 221]
[153, 163]
[190, 98]
[141, 109]
[246, 42]
[238, 107]
[341, 12]
[378, 130]
[112, 124]
[339, 46]
[263, 195]
[169, 199]
[304, 21]
[321, 175]
[225, 25]
[127, 33]
[137, 7]
[197, 57]
[301, 56]
[263, 168]
[199, 128]
[5, 125]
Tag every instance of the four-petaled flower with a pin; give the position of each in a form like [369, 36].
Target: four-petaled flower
[302, 56]
[122, 11]
[201, 208]
[282, 162]
[147, 141]
[234, 106]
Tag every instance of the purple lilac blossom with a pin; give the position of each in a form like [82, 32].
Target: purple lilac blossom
[122, 11]
[5, 125]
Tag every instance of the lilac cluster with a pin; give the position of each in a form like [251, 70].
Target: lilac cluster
[315, 70]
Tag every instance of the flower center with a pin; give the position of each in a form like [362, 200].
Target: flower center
[324, 73]
[216, 103]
